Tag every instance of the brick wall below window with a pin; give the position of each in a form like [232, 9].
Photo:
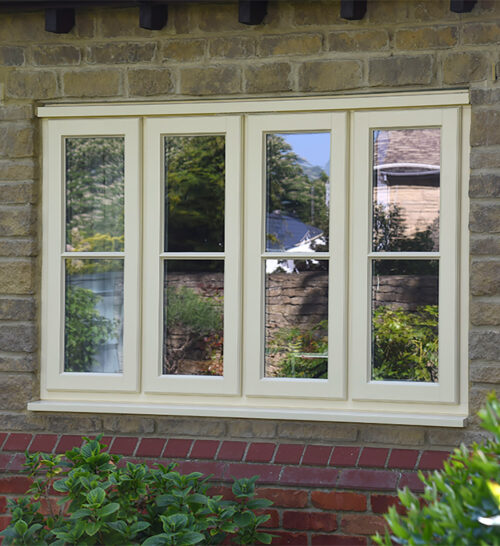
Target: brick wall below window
[322, 494]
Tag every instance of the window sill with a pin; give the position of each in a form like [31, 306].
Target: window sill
[392, 418]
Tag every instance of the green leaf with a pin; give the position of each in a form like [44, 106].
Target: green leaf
[96, 496]
[265, 538]
[191, 537]
[243, 519]
[108, 509]
[82, 513]
[60, 486]
[93, 527]
[21, 527]
[258, 503]
[177, 521]
[157, 540]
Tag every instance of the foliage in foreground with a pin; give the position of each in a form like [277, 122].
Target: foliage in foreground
[457, 499]
[108, 504]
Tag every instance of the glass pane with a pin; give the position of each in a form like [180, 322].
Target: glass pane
[296, 319]
[94, 194]
[406, 169]
[193, 333]
[405, 320]
[297, 191]
[93, 327]
[194, 193]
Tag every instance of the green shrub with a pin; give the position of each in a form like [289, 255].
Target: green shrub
[108, 504]
[405, 344]
[289, 345]
[456, 498]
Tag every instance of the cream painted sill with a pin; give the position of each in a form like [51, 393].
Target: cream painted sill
[415, 419]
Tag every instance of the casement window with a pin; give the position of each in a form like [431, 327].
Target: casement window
[292, 259]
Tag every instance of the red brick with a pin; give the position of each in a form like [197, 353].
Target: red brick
[344, 456]
[273, 521]
[337, 540]
[49, 506]
[5, 460]
[3, 435]
[315, 477]
[363, 524]
[373, 456]
[368, 479]
[380, 503]
[267, 473]
[208, 468]
[177, 448]
[226, 492]
[68, 442]
[15, 484]
[285, 498]
[44, 443]
[289, 453]
[4, 522]
[317, 455]
[412, 481]
[292, 539]
[150, 447]
[123, 445]
[232, 451]
[337, 500]
[432, 460]
[17, 462]
[3, 505]
[403, 458]
[106, 440]
[305, 521]
[17, 442]
[204, 449]
[260, 452]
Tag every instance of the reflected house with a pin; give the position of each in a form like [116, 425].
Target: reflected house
[286, 233]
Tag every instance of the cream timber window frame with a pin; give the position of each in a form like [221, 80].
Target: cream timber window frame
[348, 394]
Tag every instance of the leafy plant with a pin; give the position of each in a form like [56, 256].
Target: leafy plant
[296, 351]
[405, 344]
[200, 321]
[457, 499]
[105, 503]
[85, 329]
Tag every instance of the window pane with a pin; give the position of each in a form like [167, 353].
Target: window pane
[194, 193]
[93, 326]
[94, 194]
[297, 191]
[296, 318]
[406, 169]
[193, 317]
[405, 320]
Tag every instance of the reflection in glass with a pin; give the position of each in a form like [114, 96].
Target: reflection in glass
[193, 334]
[405, 320]
[94, 194]
[93, 322]
[406, 170]
[194, 193]
[297, 191]
[296, 319]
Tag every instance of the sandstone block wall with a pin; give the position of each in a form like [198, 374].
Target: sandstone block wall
[302, 48]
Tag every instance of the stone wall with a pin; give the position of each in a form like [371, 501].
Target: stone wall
[302, 48]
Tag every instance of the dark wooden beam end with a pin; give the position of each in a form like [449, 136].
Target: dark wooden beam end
[354, 10]
[462, 6]
[252, 12]
[59, 20]
[153, 16]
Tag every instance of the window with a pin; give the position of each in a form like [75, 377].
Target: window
[292, 259]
